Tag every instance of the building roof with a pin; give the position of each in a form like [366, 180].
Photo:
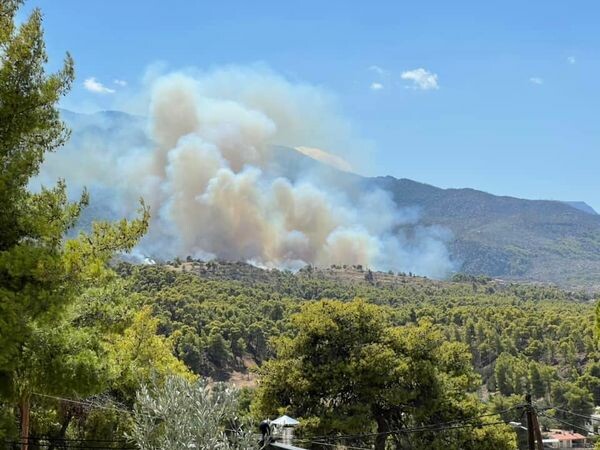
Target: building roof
[566, 435]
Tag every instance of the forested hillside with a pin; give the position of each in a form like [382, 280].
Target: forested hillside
[521, 337]
[235, 322]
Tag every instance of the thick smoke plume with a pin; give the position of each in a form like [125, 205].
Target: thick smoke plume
[202, 163]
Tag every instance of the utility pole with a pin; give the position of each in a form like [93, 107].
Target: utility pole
[534, 435]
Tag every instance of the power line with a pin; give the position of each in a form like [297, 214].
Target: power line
[454, 427]
[430, 427]
[412, 430]
[407, 431]
[564, 422]
[330, 445]
[83, 403]
[436, 427]
[81, 446]
[573, 413]
[583, 416]
[40, 438]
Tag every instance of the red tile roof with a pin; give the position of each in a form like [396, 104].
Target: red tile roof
[566, 436]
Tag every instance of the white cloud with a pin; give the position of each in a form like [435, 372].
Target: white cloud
[121, 83]
[93, 85]
[571, 60]
[422, 79]
[376, 86]
[536, 80]
[378, 70]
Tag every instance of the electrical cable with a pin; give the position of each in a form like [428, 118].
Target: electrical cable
[331, 445]
[564, 422]
[82, 402]
[79, 447]
[573, 413]
[34, 438]
[434, 426]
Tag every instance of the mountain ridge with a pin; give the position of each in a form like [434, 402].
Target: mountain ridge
[499, 236]
[582, 206]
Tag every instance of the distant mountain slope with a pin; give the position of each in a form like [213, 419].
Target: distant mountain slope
[503, 237]
[582, 206]
[509, 237]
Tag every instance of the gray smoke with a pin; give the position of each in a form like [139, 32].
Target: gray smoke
[201, 160]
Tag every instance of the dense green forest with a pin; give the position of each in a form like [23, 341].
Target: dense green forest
[521, 337]
[224, 319]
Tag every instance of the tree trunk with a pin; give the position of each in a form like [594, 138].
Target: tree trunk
[25, 409]
[382, 427]
[63, 428]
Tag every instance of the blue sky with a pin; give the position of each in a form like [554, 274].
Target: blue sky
[506, 102]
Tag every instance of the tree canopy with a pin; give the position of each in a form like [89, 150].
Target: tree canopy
[42, 272]
[347, 371]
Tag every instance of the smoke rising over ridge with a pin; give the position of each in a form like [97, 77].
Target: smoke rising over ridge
[201, 161]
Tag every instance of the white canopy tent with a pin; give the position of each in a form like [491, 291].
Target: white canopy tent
[285, 421]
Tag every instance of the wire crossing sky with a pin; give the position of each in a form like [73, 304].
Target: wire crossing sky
[500, 97]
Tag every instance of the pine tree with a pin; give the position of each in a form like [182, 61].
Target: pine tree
[40, 271]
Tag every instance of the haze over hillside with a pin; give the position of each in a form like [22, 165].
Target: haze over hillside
[202, 165]
[503, 237]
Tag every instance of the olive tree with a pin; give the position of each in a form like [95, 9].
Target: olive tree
[182, 414]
